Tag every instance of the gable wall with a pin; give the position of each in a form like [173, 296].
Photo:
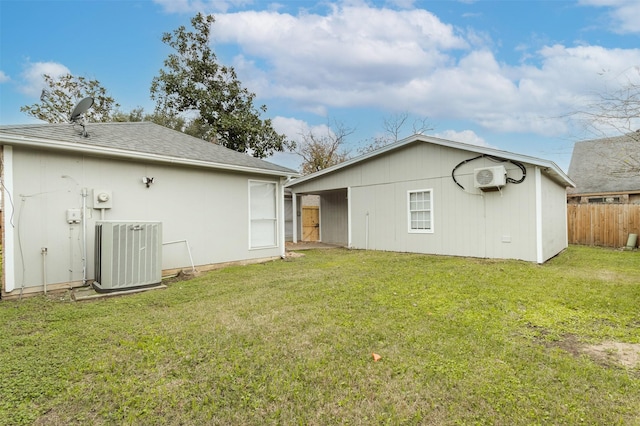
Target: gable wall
[495, 225]
[209, 209]
[466, 222]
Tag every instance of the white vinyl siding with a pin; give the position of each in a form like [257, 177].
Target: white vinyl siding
[420, 208]
[263, 214]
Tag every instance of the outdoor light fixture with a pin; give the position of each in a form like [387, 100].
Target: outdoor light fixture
[147, 181]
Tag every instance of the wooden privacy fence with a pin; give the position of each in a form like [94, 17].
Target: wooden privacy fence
[607, 225]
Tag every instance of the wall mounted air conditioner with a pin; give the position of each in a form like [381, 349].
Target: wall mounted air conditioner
[490, 178]
[127, 255]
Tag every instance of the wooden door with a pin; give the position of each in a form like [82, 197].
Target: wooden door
[310, 223]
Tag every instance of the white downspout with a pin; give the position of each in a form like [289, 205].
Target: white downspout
[349, 227]
[294, 223]
[43, 250]
[281, 220]
[366, 232]
[84, 236]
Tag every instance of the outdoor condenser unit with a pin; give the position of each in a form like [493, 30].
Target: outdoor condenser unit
[488, 178]
[127, 255]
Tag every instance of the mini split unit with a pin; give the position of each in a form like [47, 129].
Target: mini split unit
[490, 178]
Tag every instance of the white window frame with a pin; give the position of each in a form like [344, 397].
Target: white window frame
[264, 218]
[429, 209]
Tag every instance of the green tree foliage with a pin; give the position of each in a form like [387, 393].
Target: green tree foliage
[137, 114]
[193, 81]
[62, 94]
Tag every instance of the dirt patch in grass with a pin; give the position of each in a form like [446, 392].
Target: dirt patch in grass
[293, 255]
[610, 352]
[626, 354]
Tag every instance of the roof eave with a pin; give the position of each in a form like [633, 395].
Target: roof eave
[549, 166]
[8, 138]
[603, 193]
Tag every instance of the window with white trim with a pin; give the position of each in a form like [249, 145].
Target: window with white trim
[263, 225]
[420, 208]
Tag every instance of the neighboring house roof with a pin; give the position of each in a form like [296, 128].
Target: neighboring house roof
[549, 167]
[607, 165]
[137, 140]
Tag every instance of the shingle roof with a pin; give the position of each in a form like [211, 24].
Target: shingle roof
[140, 138]
[606, 165]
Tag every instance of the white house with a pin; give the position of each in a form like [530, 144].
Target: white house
[429, 195]
[179, 202]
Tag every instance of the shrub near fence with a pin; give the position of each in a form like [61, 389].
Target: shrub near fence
[607, 225]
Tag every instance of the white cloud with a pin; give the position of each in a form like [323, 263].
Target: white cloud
[404, 4]
[349, 44]
[4, 77]
[625, 14]
[291, 127]
[294, 128]
[32, 81]
[358, 55]
[206, 6]
[350, 57]
[465, 136]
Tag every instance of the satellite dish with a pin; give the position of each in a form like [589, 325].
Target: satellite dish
[77, 115]
[81, 108]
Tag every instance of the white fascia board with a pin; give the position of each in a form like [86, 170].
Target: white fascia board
[131, 155]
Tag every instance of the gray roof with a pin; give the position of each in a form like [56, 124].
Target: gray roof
[144, 140]
[606, 165]
[549, 167]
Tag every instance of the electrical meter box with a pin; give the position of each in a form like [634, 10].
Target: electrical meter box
[102, 199]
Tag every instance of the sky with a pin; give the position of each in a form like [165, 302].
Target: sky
[505, 74]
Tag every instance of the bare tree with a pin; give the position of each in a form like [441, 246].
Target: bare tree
[394, 126]
[616, 113]
[616, 109]
[322, 150]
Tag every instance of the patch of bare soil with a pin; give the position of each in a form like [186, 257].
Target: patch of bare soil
[607, 353]
[625, 354]
[620, 353]
[293, 254]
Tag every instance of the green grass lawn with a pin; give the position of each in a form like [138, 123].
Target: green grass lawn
[462, 341]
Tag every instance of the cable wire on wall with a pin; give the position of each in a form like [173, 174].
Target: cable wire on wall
[497, 160]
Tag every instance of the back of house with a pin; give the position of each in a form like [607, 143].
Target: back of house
[125, 195]
[429, 195]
